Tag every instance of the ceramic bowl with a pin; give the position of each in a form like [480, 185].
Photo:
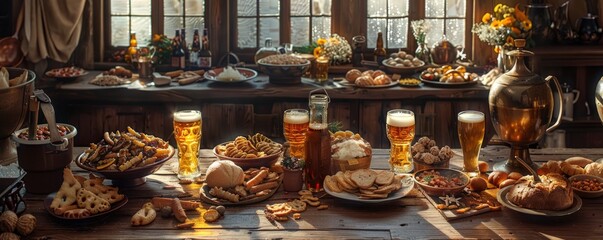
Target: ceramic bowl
[583, 193]
[448, 173]
[246, 163]
[405, 71]
[284, 74]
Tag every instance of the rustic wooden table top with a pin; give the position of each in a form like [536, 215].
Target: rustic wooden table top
[411, 217]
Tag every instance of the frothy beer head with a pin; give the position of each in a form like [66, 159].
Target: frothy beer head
[296, 118]
[471, 117]
[400, 119]
[187, 116]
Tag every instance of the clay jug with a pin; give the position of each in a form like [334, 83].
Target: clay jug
[521, 107]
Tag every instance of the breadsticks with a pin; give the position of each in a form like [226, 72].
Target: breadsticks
[220, 193]
[256, 179]
[258, 183]
[263, 186]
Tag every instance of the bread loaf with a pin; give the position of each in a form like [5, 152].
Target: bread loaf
[595, 169]
[580, 161]
[553, 193]
[225, 174]
[364, 80]
[570, 169]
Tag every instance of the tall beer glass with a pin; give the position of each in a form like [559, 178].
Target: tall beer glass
[400, 124]
[187, 131]
[295, 126]
[471, 127]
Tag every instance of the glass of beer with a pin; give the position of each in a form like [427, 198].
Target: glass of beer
[400, 124]
[295, 126]
[471, 127]
[322, 69]
[187, 131]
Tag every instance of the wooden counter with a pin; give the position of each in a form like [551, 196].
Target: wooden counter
[411, 217]
[257, 106]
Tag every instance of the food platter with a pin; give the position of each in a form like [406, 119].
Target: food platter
[407, 186]
[66, 73]
[83, 220]
[502, 198]
[410, 83]
[445, 84]
[207, 198]
[391, 84]
[213, 74]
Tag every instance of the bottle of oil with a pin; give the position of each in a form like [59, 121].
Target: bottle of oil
[318, 143]
[380, 53]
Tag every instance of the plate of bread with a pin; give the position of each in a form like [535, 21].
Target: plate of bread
[227, 184]
[81, 200]
[553, 196]
[368, 185]
[368, 79]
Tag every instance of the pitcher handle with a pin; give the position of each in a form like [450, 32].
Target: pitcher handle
[577, 96]
[559, 103]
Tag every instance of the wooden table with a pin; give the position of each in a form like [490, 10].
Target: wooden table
[411, 217]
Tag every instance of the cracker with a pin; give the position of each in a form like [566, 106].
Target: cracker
[331, 184]
[386, 189]
[364, 178]
[312, 203]
[91, 202]
[348, 178]
[67, 194]
[372, 196]
[305, 192]
[385, 177]
[340, 178]
[297, 205]
[76, 213]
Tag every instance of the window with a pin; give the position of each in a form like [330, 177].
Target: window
[135, 16]
[130, 16]
[257, 20]
[310, 20]
[446, 17]
[389, 17]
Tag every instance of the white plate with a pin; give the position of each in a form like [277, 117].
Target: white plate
[407, 186]
[502, 198]
[212, 75]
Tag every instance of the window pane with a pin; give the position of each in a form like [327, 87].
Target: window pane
[397, 30]
[120, 34]
[171, 7]
[300, 8]
[246, 8]
[434, 8]
[436, 32]
[398, 8]
[321, 7]
[321, 27]
[247, 33]
[194, 7]
[455, 8]
[171, 24]
[269, 29]
[269, 8]
[374, 26]
[120, 7]
[377, 8]
[300, 31]
[142, 27]
[455, 31]
[141, 7]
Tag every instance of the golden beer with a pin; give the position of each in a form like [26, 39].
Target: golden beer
[322, 69]
[471, 127]
[187, 131]
[400, 126]
[295, 127]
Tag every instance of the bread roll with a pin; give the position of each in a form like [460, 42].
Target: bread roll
[352, 75]
[595, 169]
[553, 193]
[382, 80]
[225, 174]
[364, 81]
[580, 161]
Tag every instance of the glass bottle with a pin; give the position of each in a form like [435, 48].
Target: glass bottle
[358, 56]
[267, 50]
[130, 56]
[318, 143]
[205, 54]
[177, 52]
[195, 48]
[380, 53]
[184, 46]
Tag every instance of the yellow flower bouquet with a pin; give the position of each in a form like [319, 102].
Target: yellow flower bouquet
[336, 48]
[503, 26]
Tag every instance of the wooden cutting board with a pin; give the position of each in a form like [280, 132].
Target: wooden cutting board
[486, 196]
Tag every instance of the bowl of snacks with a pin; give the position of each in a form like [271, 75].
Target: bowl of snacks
[587, 186]
[284, 68]
[250, 152]
[66, 73]
[349, 151]
[441, 181]
[427, 155]
[403, 63]
[447, 75]
[125, 157]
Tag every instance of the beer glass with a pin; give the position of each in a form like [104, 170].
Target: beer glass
[295, 126]
[322, 69]
[400, 125]
[187, 131]
[471, 127]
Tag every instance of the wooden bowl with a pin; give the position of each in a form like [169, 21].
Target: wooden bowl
[583, 193]
[404, 71]
[448, 173]
[246, 163]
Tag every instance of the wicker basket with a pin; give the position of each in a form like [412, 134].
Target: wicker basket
[350, 164]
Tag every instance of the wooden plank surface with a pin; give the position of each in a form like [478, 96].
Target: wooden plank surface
[411, 217]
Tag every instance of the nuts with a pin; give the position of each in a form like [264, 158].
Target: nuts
[8, 221]
[587, 185]
[283, 59]
[26, 224]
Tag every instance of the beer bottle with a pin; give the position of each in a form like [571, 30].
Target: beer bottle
[205, 53]
[184, 46]
[177, 52]
[380, 53]
[130, 56]
[195, 48]
[318, 143]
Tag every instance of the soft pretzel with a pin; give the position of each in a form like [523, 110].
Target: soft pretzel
[68, 192]
[91, 202]
[144, 216]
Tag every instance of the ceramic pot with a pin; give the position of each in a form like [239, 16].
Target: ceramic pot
[293, 180]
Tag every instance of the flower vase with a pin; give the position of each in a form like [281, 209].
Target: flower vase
[293, 180]
[504, 61]
[423, 53]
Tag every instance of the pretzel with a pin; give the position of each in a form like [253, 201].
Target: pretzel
[144, 216]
